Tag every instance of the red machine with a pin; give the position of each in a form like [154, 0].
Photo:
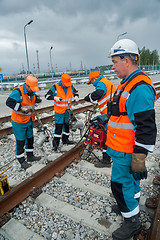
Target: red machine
[97, 136]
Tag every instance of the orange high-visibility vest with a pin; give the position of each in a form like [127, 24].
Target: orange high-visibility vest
[26, 101]
[120, 132]
[102, 103]
[62, 106]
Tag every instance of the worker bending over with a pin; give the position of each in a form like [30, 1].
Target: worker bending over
[21, 100]
[63, 93]
[102, 94]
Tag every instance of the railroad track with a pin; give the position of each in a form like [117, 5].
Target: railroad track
[78, 195]
[65, 173]
[50, 118]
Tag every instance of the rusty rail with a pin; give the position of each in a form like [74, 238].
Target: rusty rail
[22, 190]
[155, 226]
[9, 130]
[40, 110]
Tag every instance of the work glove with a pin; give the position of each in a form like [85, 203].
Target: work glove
[58, 99]
[38, 99]
[138, 168]
[76, 98]
[102, 119]
[24, 109]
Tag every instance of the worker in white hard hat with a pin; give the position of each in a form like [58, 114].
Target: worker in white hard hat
[131, 134]
[20, 101]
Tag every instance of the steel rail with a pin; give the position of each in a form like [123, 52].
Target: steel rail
[155, 226]
[50, 108]
[17, 194]
[9, 130]
[39, 110]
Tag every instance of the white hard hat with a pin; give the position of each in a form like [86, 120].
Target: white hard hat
[124, 46]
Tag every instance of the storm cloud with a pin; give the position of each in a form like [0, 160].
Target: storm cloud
[81, 32]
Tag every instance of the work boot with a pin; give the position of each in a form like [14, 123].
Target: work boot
[25, 165]
[54, 149]
[65, 140]
[32, 158]
[55, 144]
[105, 162]
[129, 228]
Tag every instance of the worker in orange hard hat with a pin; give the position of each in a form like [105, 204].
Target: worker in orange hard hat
[92, 75]
[63, 93]
[21, 100]
[102, 94]
[32, 82]
[66, 80]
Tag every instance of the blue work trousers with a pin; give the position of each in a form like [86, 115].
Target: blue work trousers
[125, 188]
[24, 137]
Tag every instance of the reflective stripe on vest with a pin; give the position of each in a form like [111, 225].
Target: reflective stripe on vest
[120, 125]
[20, 117]
[102, 103]
[120, 132]
[62, 106]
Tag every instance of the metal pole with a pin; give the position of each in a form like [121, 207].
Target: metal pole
[51, 60]
[28, 70]
[37, 62]
[121, 35]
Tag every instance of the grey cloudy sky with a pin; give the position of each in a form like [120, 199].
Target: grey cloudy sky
[79, 30]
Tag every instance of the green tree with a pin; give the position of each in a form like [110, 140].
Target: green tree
[148, 57]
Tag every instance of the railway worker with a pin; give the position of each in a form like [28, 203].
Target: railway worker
[63, 93]
[131, 134]
[102, 95]
[20, 101]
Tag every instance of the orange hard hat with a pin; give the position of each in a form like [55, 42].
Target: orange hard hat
[93, 75]
[66, 80]
[32, 82]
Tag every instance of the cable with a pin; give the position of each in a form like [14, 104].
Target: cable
[90, 152]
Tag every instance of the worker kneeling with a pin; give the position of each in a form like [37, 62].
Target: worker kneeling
[21, 101]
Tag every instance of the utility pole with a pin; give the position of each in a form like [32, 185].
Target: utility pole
[34, 71]
[49, 68]
[81, 65]
[28, 70]
[51, 60]
[38, 69]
